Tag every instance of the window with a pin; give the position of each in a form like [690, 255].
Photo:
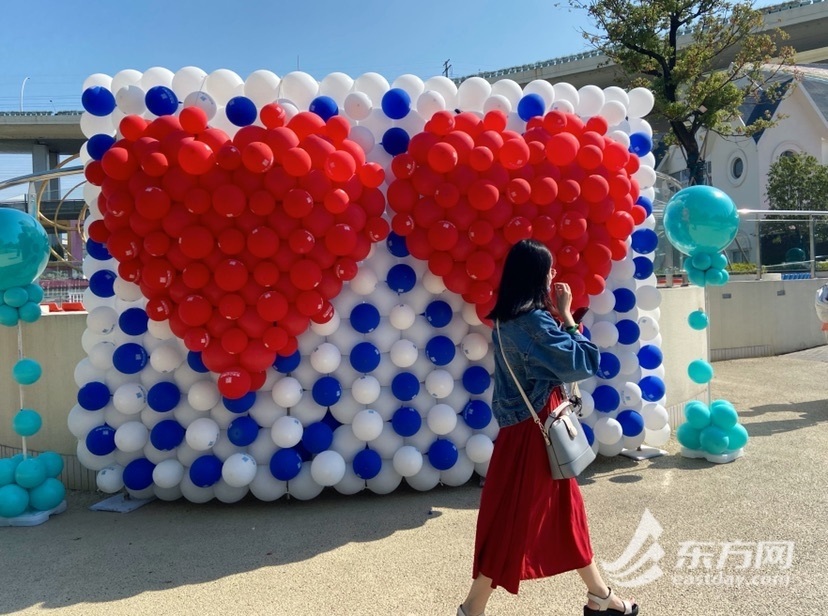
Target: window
[737, 167]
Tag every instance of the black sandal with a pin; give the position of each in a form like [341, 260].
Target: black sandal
[630, 609]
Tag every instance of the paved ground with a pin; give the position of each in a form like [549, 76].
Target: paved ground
[410, 553]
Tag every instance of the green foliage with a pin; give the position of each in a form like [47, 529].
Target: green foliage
[741, 268]
[701, 58]
[797, 182]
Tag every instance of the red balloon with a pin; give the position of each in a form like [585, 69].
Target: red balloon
[118, 163]
[403, 165]
[196, 275]
[132, 127]
[257, 157]
[425, 181]
[562, 148]
[518, 191]
[229, 200]
[620, 225]
[231, 241]
[443, 235]
[568, 190]
[345, 268]
[341, 240]
[616, 155]
[306, 123]
[483, 195]
[275, 339]
[273, 115]
[595, 188]
[462, 143]
[196, 157]
[590, 157]
[231, 275]
[495, 120]
[296, 161]
[481, 158]
[440, 263]
[305, 274]
[266, 273]
[298, 203]
[372, 175]
[196, 242]
[339, 166]
[572, 225]
[154, 164]
[195, 310]
[514, 153]
[157, 243]
[441, 123]
[517, 229]
[309, 303]
[442, 157]
[157, 274]
[196, 339]
[480, 265]
[234, 384]
[377, 229]
[447, 195]
[272, 306]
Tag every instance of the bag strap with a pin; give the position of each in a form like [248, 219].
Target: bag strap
[557, 410]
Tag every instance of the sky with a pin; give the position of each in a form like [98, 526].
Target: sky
[57, 44]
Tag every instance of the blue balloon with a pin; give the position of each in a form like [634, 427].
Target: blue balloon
[242, 431]
[102, 282]
[443, 454]
[395, 141]
[405, 386]
[646, 203]
[652, 388]
[367, 464]
[589, 433]
[324, 106]
[240, 405]
[167, 435]
[643, 268]
[163, 397]
[365, 357]
[287, 364]
[700, 371]
[241, 111]
[97, 250]
[130, 358]
[406, 421]
[641, 144]
[698, 320]
[29, 312]
[326, 391]
[365, 318]
[161, 101]
[101, 440]
[609, 366]
[196, 363]
[24, 249]
[285, 464]
[440, 350]
[94, 396]
[206, 471]
[632, 423]
[700, 219]
[401, 278]
[27, 371]
[644, 241]
[27, 422]
[98, 145]
[477, 414]
[628, 331]
[606, 398]
[133, 321]
[530, 106]
[98, 101]
[476, 379]
[317, 437]
[438, 313]
[650, 357]
[396, 103]
[396, 245]
[624, 299]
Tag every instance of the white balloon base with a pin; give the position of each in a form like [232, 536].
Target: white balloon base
[645, 452]
[33, 518]
[724, 458]
[121, 503]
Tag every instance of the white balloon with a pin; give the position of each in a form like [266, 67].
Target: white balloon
[126, 77]
[114, 418]
[628, 360]
[603, 303]
[239, 470]
[327, 328]
[156, 76]
[110, 479]
[475, 346]
[429, 103]
[566, 92]
[497, 102]
[202, 434]
[641, 102]
[472, 93]
[587, 404]
[386, 481]
[365, 282]
[441, 419]
[97, 79]
[631, 395]
[403, 353]
[366, 389]
[648, 328]
[166, 358]
[203, 101]
[609, 450]
[657, 438]
[303, 486]
[287, 431]
[203, 395]
[407, 461]
[613, 112]
[222, 85]
[188, 80]
[224, 447]
[469, 314]
[100, 355]
[402, 317]
[363, 137]
[185, 414]
[373, 85]
[80, 421]
[168, 473]
[648, 297]
[325, 358]
[287, 392]
[479, 448]
[131, 436]
[563, 106]
[367, 425]
[229, 494]
[620, 136]
[646, 176]
[130, 99]
[604, 334]
[90, 460]
[160, 330]
[102, 320]
[262, 87]
[412, 85]
[426, 479]
[351, 484]
[265, 411]
[633, 442]
[608, 431]
[328, 468]
[460, 473]
[265, 486]
[358, 106]
[337, 86]
[167, 494]
[541, 87]
[446, 87]
[439, 383]
[194, 493]
[614, 93]
[655, 416]
[512, 92]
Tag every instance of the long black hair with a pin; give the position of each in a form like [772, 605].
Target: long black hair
[523, 285]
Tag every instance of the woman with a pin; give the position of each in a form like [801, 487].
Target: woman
[529, 525]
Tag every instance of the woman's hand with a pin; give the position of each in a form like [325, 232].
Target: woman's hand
[563, 300]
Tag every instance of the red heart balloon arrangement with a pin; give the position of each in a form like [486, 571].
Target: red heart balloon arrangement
[238, 243]
[467, 189]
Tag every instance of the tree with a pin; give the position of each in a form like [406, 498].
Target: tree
[699, 81]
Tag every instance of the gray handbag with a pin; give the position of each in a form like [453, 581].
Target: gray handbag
[566, 443]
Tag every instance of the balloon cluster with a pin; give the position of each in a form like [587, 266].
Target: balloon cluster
[713, 432]
[394, 383]
[24, 254]
[29, 484]
[239, 242]
[701, 221]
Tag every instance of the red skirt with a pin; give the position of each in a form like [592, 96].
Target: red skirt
[529, 525]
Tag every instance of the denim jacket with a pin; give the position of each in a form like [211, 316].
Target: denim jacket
[542, 356]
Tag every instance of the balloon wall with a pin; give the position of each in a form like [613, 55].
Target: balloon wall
[289, 277]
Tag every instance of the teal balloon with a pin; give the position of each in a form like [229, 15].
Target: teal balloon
[718, 260]
[714, 440]
[27, 422]
[53, 463]
[47, 495]
[14, 501]
[694, 275]
[701, 260]
[24, 249]
[716, 277]
[700, 371]
[29, 312]
[724, 417]
[738, 437]
[8, 316]
[688, 436]
[7, 468]
[698, 320]
[700, 219]
[697, 414]
[30, 473]
[27, 371]
[35, 293]
[15, 297]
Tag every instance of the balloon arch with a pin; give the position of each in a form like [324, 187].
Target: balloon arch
[289, 277]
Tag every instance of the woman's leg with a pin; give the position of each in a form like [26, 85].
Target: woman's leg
[481, 590]
[595, 584]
